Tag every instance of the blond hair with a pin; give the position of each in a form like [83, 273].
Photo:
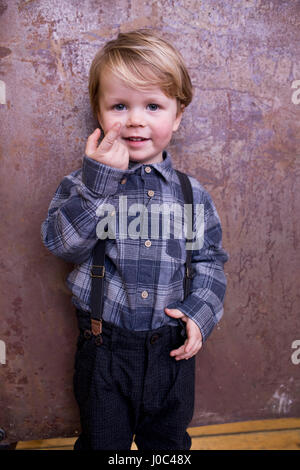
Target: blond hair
[141, 59]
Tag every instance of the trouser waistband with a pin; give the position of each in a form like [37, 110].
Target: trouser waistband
[115, 336]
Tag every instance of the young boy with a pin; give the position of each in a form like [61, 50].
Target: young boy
[138, 381]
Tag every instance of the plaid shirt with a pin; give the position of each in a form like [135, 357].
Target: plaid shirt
[143, 275]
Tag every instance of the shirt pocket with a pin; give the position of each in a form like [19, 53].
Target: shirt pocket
[176, 249]
[175, 254]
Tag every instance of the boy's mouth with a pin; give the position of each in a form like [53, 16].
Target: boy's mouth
[135, 139]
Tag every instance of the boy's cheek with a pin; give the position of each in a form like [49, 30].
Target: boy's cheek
[164, 134]
[107, 124]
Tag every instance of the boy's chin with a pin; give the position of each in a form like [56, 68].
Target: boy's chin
[146, 160]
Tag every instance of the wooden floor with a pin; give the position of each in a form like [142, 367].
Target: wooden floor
[275, 434]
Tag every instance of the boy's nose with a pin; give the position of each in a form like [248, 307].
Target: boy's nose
[135, 118]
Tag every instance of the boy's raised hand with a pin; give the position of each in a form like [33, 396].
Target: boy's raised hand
[110, 151]
[194, 337]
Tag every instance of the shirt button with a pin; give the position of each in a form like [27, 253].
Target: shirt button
[145, 294]
[150, 193]
[148, 243]
[154, 338]
[123, 181]
[147, 169]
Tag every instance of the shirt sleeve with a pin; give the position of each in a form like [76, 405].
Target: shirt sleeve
[204, 304]
[69, 231]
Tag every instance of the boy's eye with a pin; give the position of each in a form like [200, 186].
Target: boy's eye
[153, 106]
[119, 107]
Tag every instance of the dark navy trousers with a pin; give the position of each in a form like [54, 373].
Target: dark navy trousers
[130, 387]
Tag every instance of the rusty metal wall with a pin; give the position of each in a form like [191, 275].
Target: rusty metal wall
[239, 137]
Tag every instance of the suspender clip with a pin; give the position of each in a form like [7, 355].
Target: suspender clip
[189, 272]
[96, 327]
[96, 271]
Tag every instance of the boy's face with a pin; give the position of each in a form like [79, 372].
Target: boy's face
[148, 117]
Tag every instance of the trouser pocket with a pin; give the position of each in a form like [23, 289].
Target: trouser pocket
[85, 360]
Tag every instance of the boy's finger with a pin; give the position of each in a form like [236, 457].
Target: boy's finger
[178, 351]
[185, 355]
[92, 142]
[182, 349]
[189, 345]
[187, 350]
[110, 137]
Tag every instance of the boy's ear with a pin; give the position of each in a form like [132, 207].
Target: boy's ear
[178, 118]
[98, 117]
[99, 121]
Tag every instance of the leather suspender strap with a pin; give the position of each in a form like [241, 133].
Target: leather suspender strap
[188, 199]
[97, 292]
[98, 268]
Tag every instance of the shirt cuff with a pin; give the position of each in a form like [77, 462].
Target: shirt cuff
[199, 311]
[99, 178]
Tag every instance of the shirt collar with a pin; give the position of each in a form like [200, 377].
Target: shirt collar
[164, 167]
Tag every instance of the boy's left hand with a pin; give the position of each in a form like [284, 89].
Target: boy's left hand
[194, 337]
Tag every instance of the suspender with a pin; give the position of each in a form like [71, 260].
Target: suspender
[188, 199]
[97, 292]
[98, 268]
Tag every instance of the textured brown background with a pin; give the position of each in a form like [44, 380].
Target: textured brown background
[239, 137]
